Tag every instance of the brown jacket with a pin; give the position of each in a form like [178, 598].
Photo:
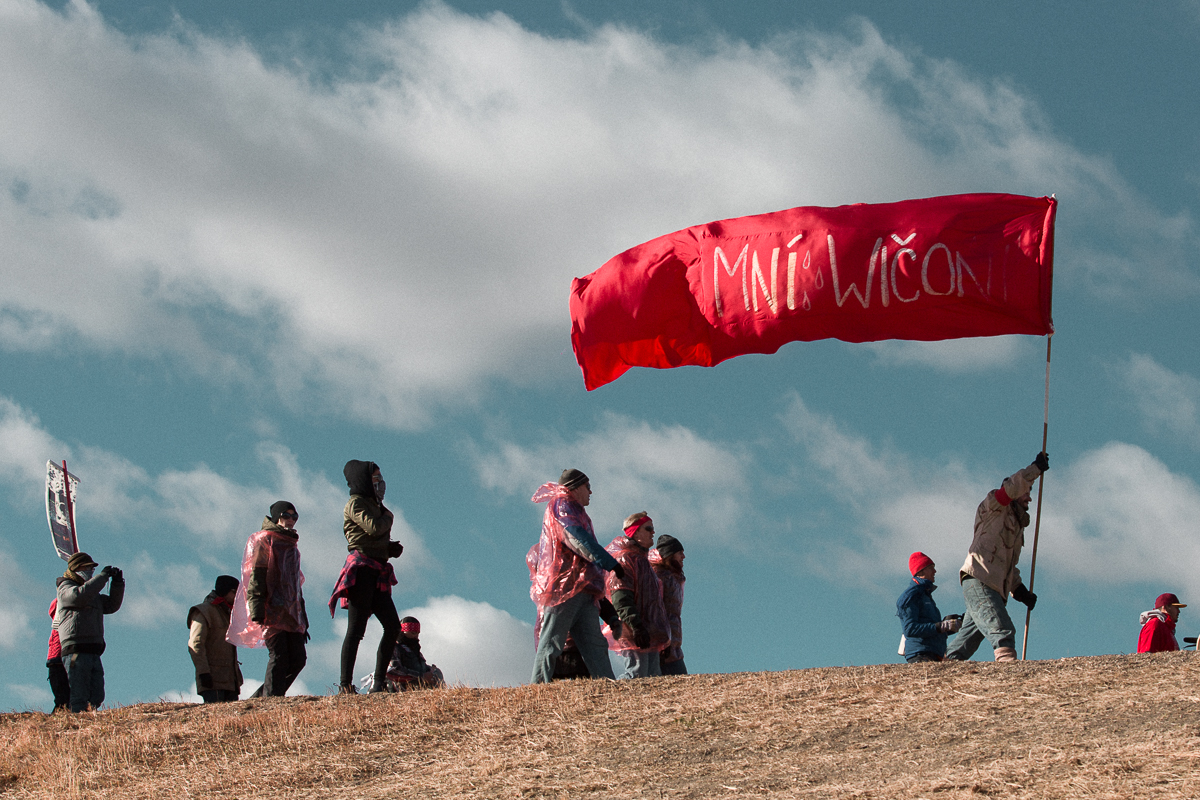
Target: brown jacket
[1000, 534]
[368, 527]
[207, 624]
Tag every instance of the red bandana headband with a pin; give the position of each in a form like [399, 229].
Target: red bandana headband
[639, 522]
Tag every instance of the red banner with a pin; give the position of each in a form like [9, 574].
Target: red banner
[938, 268]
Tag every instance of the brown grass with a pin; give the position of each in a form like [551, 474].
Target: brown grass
[1102, 727]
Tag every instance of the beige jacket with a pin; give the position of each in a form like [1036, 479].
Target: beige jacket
[210, 652]
[999, 535]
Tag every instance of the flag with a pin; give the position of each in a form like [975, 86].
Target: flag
[60, 509]
[936, 268]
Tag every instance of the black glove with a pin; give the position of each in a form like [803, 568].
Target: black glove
[116, 575]
[610, 616]
[106, 572]
[395, 549]
[307, 636]
[204, 680]
[1023, 595]
[619, 572]
[1042, 462]
[259, 618]
[641, 637]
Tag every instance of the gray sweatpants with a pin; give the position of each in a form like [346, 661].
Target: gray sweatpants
[580, 618]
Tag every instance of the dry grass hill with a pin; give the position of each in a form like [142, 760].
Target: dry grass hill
[1101, 727]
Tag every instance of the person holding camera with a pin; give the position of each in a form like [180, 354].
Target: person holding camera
[923, 628]
[79, 620]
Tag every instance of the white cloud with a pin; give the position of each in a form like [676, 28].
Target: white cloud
[1116, 515]
[954, 355]
[693, 487]
[15, 612]
[1166, 400]
[380, 245]
[31, 695]
[474, 643]
[211, 510]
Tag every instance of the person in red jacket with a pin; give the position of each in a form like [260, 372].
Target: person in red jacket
[1158, 625]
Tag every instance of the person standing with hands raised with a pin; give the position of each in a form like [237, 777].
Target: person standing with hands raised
[79, 620]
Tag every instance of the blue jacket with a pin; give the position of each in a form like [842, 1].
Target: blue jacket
[919, 618]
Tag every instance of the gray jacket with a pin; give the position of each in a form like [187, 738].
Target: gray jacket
[81, 609]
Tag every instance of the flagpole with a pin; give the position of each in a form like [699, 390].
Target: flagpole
[1041, 486]
[71, 512]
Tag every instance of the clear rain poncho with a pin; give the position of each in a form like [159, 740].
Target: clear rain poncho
[280, 556]
[647, 590]
[672, 580]
[556, 572]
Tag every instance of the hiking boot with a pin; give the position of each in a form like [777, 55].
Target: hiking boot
[347, 688]
[1006, 654]
[378, 687]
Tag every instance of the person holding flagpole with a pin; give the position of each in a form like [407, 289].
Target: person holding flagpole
[990, 574]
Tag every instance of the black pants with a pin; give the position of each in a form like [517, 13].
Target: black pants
[365, 599]
[287, 658]
[59, 683]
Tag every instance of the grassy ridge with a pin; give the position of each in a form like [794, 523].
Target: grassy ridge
[1109, 726]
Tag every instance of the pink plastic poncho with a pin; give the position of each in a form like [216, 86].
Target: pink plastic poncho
[281, 557]
[641, 580]
[556, 572]
[672, 580]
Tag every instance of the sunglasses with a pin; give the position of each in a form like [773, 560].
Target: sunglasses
[289, 515]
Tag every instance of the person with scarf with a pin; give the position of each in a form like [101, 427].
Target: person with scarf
[60, 684]
[218, 678]
[923, 631]
[667, 560]
[366, 580]
[1158, 625]
[79, 620]
[567, 582]
[990, 574]
[269, 605]
[637, 596]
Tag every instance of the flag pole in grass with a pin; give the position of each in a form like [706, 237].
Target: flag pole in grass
[1037, 525]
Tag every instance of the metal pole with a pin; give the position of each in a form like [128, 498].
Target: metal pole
[70, 510]
[1037, 525]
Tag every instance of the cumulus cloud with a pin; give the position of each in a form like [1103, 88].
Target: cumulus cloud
[474, 643]
[954, 355]
[389, 237]
[686, 481]
[212, 511]
[1116, 514]
[15, 612]
[1166, 400]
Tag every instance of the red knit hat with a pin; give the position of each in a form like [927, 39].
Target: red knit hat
[918, 562]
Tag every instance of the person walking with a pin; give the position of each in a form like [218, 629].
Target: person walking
[923, 629]
[990, 574]
[79, 620]
[269, 605]
[667, 560]
[1158, 625]
[366, 580]
[218, 676]
[567, 580]
[637, 595]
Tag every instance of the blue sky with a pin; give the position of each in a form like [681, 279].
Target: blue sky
[244, 243]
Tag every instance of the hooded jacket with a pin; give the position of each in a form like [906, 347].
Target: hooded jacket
[1158, 632]
[79, 619]
[208, 622]
[366, 522]
[1000, 534]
